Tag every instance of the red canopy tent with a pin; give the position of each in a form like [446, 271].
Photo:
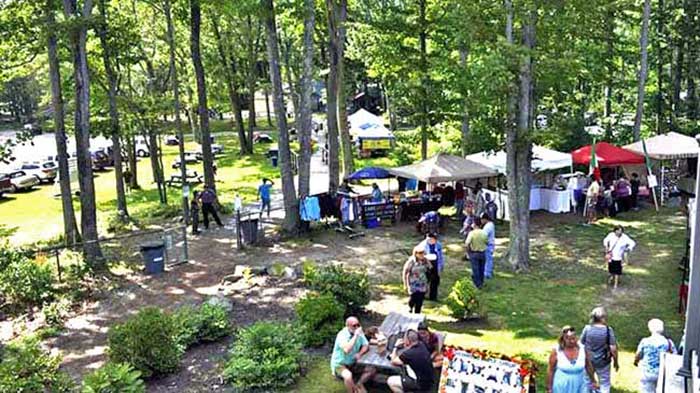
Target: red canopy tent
[607, 155]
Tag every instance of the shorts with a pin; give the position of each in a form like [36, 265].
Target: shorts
[615, 267]
[411, 385]
[354, 368]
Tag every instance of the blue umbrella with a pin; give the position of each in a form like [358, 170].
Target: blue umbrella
[370, 173]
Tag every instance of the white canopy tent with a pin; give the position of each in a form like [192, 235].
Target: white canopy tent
[443, 168]
[543, 159]
[365, 124]
[669, 146]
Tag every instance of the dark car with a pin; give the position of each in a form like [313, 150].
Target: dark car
[5, 184]
[100, 160]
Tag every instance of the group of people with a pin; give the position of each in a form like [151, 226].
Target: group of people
[580, 364]
[620, 195]
[421, 272]
[204, 201]
[419, 351]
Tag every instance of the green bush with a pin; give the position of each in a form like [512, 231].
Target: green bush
[188, 324]
[208, 323]
[350, 288]
[25, 367]
[55, 313]
[24, 282]
[320, 317]
[265, 356]
[147, 341]
[462, 300]
[114, 378]
[214, 322]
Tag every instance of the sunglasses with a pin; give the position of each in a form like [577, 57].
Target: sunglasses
[357, 325]
[568, 330]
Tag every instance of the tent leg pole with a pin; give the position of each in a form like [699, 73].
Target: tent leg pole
[661, 189]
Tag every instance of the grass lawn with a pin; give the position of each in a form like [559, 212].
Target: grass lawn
[566, 280]
[37, 214]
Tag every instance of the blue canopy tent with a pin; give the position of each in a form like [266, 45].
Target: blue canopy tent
[371, 172]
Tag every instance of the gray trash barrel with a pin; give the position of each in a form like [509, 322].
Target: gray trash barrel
[153, 254]
[249, 230]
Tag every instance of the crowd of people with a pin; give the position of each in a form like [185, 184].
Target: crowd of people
[610, 198]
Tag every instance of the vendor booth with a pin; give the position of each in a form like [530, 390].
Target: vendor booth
[544, 195]
[440, 168]
[369, 133]
[373, 212]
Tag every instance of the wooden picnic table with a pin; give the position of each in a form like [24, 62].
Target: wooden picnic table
[192, 177]
[393, 324]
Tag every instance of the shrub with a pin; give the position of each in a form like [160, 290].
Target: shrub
[350, 288]
[265, 356]
[25, 283]
[147, 342]
[25, 367]
[54, 313]
[320, 318]
[462, 300]
[214, 322]
[114, 378]
[208, 323]
[187, 326]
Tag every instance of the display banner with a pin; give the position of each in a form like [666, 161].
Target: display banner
[465, 372]
[375, 144]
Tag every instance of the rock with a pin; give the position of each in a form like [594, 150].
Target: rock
[244, 270]
[220, 300]
[231, 279]
[290, 273]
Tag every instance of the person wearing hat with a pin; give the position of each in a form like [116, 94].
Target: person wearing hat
[434, 255]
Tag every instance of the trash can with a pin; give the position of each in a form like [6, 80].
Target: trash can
[274, 162]
[249, 230]
[153, 254]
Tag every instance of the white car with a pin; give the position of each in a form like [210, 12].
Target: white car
[44, 171]
[21, 181]
[172, 140]
[191, 157]
[215, 148]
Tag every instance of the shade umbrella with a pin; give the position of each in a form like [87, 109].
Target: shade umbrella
[371, 172]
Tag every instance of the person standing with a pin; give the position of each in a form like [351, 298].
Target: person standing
[476, 243]
[568, 363]
[649, 353]
[479, 201]
[469, 220]
[592, 194]
[415, 275]
[350, 344]
[208, 198]
[599, 339]
[416, 356]
[490, 230]
[616, 245]
[634, 186]
[264, 196]
[459, 200]
[433, 250]
[194, 213]
[623, 194]
[377, 195]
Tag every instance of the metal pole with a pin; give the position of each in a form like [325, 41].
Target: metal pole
[662, 183]
[186, 253]
[692, 320]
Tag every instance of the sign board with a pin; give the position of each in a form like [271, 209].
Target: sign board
[375, 144]
[651, 179]
[464, 373]
[669, 381]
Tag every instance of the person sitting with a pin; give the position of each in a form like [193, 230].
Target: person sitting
[375, 336]
[429, 222]
[350, 345]
[416, 356]
[433, 342]
[377, 195]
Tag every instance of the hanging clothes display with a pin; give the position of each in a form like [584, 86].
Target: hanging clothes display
[309, 209]
[348, 210]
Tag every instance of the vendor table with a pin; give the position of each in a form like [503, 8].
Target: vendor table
[413, 208]
[378, 210]
[554, 201]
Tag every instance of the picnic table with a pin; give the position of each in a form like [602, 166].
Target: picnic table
[393, 324]
[192, 177]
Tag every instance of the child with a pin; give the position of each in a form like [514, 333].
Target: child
[194, 213]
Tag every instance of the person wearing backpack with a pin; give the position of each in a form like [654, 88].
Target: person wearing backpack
[599, 339]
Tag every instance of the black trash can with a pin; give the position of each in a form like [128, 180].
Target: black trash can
[249, 230]
[153, 254]
[274, 162]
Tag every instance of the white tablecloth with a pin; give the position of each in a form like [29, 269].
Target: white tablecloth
[552, 201]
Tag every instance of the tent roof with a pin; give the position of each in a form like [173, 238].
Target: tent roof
[363, 117]
[607, 155]
[668, 146]
[371, 131]
[443, 167]
[370, 173]
[543, 159]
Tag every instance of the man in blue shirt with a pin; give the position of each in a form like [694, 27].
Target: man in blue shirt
[490, 228]
[377, 195]
[431, 245]
[264, 195]
[350, 345]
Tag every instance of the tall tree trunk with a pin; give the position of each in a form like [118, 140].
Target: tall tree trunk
[291, 203]
[305, 104]
[643, 70]
[463, 56]
[332, 97]
[154, 156]
[267, 106]
[293, 92]
[229, 65]
[133, 161]
[609, 69]
[692, 36]
[207, 156]
[176, 103]
[88, 211]
[423, 65]
[345, 143]
[107, 58]
[660, 59]
[677, 80]
[70, 226]
[252, 76]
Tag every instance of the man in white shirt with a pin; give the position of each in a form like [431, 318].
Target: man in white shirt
[616, 244]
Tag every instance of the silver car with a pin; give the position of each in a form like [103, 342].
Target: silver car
[22, 181]
[44, 171]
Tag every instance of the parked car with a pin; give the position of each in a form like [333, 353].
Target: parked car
[22, 181]
[261, 138]
[44, 171]
[215, 148]
[172, 140]
[191, 157]
[100, 160]
[5, 184]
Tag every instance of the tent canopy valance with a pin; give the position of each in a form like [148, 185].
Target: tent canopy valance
[607, 155]
[543, 159]
[443, 168]
[670, 146]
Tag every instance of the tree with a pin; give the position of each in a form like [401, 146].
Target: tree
[643, 69]
[341, 15]
[332, 87]
[291, 203]
[305, 102]
[88, 213]
[70, 226]
[203, 110]
[107, 58]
